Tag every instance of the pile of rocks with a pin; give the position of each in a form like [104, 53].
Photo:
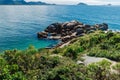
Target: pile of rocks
[69, 30]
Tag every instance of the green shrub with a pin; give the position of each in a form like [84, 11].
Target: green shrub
[117, 46]
[70, 52]
[11, 72]
[99, 70]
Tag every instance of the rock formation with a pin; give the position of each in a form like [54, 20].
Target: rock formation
[69, 30]
[82, 4]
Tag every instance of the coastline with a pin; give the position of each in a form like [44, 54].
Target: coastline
[88, 53]
[35, 24]
[66, 31]
[63, 44]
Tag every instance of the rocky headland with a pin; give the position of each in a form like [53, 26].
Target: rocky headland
[69, 30]
[82, 4]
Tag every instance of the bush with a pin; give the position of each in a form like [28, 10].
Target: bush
[70, 52]
[71, 72]
[99, 71]
[11, 72]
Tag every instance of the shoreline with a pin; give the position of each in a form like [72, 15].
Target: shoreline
[67, 31]
[61, 45]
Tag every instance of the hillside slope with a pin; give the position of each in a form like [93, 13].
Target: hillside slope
[62, 63]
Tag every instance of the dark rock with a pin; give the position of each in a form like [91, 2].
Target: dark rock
[87, 26]
[102, 26]
[70, 33]
[82, 4]
[53, 34]
[69, 30]
[79, 31]
[105, 26]
[54, 28]
[63, 34]
[66, 39]
[93, 28]
[42, 35]
[79, 26]
[70, 25]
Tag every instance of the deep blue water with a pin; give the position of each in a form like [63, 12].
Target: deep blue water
[19, 24]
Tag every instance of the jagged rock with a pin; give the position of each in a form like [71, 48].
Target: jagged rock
[93, 28]
[69, 30]
[54, 28]
[70, 33]
[71, 25]
[53, 34]
[102, 26]
[78, 26]
[79, 31]
[66, 39]
[86, 27]
[42, 35]
[63, 34]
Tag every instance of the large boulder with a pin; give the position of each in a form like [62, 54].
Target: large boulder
[79, 31]
[63, 34]
[71, 25]
[79, 26]
[102, 26]
[86, 26]
[66, 39]
[42, 35]
[54, 28]
[53, 34]
[93, 28]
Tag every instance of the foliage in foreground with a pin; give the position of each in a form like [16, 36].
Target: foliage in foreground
[60, 63]
[21, 65]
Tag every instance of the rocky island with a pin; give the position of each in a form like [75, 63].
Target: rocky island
[82, 4]
[69, 30]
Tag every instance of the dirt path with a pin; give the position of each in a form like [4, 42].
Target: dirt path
[88, 60]
[65, 44]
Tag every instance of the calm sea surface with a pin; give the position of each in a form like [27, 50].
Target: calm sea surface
[19, 24]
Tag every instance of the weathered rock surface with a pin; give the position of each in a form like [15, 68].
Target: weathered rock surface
[42, 34]
[102, 26]
[68, 30]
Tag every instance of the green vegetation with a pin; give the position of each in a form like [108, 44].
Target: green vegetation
[61, 63]
[98, 44]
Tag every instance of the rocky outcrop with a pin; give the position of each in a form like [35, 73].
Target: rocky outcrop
[102, 26]
[54, 28]
[82, 4]
[69, 30]
[42, 34]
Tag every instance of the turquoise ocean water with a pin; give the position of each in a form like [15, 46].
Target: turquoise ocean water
[19, 24]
